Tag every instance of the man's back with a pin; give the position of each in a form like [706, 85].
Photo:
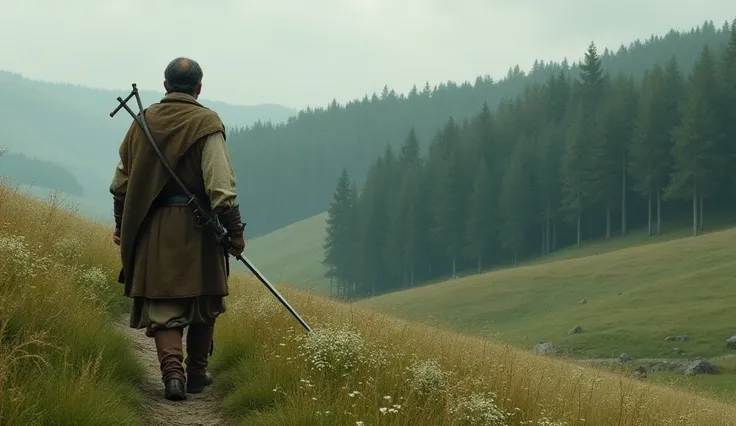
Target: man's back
[175, 272]
[158, 233]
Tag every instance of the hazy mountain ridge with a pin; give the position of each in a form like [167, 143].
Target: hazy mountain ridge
[69, 125]
[32, 171]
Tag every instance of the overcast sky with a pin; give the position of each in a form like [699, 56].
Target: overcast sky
[300, 52]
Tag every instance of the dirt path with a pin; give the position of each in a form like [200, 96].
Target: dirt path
[197, 410]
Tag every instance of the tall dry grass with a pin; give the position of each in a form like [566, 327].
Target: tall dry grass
[362, 368]
[61, 362]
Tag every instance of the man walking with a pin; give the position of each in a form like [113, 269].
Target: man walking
[174, 271]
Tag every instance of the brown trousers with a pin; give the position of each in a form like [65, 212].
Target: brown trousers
[170, 351]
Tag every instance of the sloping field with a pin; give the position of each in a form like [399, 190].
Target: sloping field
[635, 298]
[292, 254]
[361, 368]
[63, 362]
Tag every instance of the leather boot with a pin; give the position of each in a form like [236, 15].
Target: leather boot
[169, 348]
[174, 390]
[199, 342]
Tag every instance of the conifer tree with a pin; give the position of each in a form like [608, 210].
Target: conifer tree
[410, 150]
[698, 150]
[391, 176]
[447, 231]
[651, 145]
[609, 163]
[729, 99]
[585, 132]
[550, 148]
[353, 239]
[411, 194]
[373, 226]
[479, 227]
[575, 176]
[517, 198]
[337, 232]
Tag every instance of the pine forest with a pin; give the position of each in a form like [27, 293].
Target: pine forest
[591, 152]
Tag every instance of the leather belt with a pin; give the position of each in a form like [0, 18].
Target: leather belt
[178, 200]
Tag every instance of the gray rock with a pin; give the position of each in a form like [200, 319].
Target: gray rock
[577, 329]
[676, 338]
[625, 357]
[731, 342]
[678, 351]
[664, 364]
[583, 302]
[701, 366]
[640, 372]
[544, 348]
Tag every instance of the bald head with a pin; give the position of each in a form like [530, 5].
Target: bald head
[183, 75]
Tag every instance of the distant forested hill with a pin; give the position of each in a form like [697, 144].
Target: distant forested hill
[70, 126]
[288, 171]
[587, 154]
[34, 172]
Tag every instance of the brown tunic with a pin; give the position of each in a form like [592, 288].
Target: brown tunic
[175, 272]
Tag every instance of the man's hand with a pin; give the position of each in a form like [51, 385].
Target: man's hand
[237, 244]
[116, 236]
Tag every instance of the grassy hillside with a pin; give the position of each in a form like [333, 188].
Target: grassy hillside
[61, 361]
[362, 368]
[635, 298]
[292, 254]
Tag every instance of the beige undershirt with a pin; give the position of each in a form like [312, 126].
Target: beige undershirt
[217, 171]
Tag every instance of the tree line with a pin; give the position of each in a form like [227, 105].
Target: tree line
[585, 154]
[34, 172]
[291, 168]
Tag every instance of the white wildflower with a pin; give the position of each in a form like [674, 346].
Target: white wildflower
[478, 409]
[68, 249]
[265, 306]
[18, 260]
[427, 376]
[93, 282]
[545, 421]
[334, 350]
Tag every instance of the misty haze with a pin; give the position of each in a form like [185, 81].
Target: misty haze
[479, 212]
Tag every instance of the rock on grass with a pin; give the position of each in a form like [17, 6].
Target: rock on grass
[699, 367]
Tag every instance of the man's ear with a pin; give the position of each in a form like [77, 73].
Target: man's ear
[166, 87]
[199, 89]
